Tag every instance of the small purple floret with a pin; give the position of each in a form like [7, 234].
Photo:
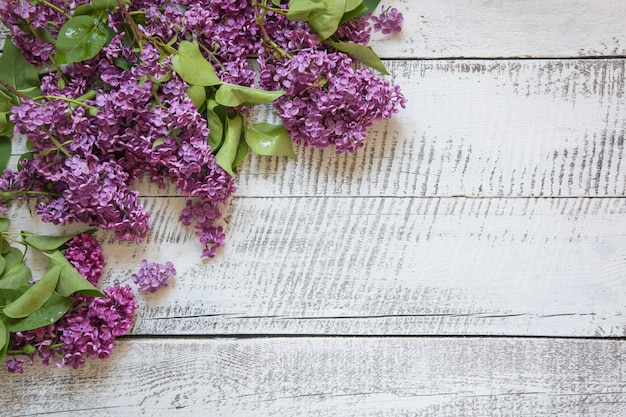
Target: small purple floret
[152, 276]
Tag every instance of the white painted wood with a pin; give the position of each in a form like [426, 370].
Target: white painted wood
[473, 128]
[504, 28]
[432, 229]
[420, 377]
[388, 266]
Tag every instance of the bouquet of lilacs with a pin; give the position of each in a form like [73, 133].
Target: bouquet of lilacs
[104, 92]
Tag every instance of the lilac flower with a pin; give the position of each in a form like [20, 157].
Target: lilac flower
[152, 276]
[15, 366]
[85, 254]
[355, 30]
[327, 100]
[390, 21]
[88, 330]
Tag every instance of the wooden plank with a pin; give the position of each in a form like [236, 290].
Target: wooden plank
[389, 266]
[472, 128]
[476, 128]
[443, 377]
[506, 28]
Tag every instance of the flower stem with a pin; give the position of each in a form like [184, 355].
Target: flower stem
[55, 8]
[268, 42]
[56, 143]
[12, 89]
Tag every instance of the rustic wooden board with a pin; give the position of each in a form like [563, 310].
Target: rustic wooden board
[504, 28]
[333, 377]
[474, 128]
[388, 266]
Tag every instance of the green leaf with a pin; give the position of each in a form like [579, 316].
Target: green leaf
[27, 155]
[13, 256]
[232, 95]
[197, 94]
[192, 67]
[216, 117]
[51, 311]
[35, 296]
[16, 71]
[3, 264]
[45, 243]
[4, 340]
[225, 157]
[275, 2]
[242, 152]
[352, 4]
[158, 142]
[5, 246]
[81, 38]
[327, 22]
[361, 53]
[6, 102]
[6, 127]
[4, 224]
[9, 295]
[300, 10]
[96, 5]
[371, 4]
[5, 149]
[359, 11]
[70, 280]
[15, 277]
[269, 139]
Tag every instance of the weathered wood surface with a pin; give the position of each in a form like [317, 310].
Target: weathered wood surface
[506, 28]
[425, 377]
[487, 219]
[410, 266]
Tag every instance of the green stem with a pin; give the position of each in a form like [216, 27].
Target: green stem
[137, 33]
[55, 8]
[56, 143]
[12, 89]
[77, 101]
[213, 57]
[268, 42]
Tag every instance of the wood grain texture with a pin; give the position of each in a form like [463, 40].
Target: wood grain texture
[421, 377]
[370, 266]
[473, 128]
[506, 28]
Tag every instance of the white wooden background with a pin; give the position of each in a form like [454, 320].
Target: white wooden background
[469, 261]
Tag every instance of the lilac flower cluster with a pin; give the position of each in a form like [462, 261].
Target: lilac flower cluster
[152, 276]
[86, 256]
[390, 21]
[89, 328]
[328, 101]
[87, 331]
[88, 177]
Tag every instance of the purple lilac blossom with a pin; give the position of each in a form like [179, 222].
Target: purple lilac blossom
[390, 21]
[152, 276]
[86, 256]
[15, 365]
[340, 107]
[88, 330]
